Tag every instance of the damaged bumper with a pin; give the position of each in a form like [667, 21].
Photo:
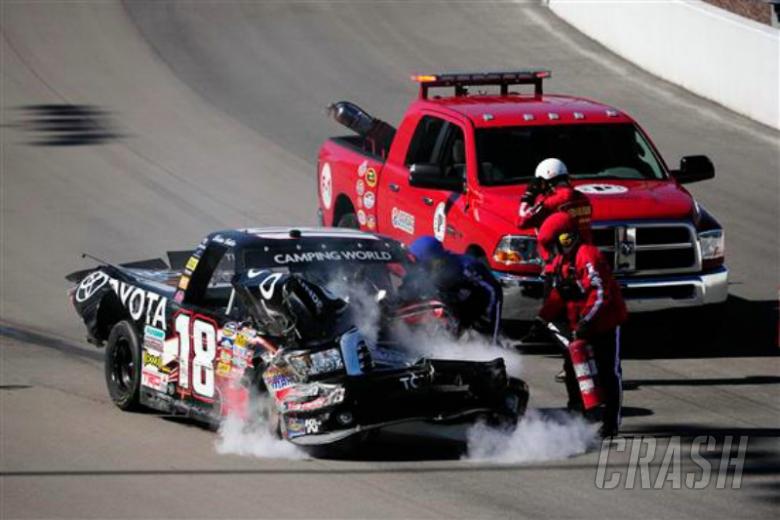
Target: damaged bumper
[433, 391]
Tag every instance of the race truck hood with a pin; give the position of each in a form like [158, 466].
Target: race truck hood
[611, 200]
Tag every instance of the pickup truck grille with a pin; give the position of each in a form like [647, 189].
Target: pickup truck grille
[648, 248]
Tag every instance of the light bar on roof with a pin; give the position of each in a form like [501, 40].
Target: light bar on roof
[460, 80]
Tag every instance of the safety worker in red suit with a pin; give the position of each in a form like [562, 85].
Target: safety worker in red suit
[585, 296]
[548, 192]
[551, 191]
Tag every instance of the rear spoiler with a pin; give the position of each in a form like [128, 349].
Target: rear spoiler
[153, 264]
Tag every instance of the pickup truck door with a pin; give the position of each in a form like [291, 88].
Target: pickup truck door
[408, 212]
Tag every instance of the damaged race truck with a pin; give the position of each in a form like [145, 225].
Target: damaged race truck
[274, 311]
[459, 162]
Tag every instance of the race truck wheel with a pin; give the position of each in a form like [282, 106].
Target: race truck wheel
[348, 220]
[123, 366]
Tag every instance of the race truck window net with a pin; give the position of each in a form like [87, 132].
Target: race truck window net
[509, 155]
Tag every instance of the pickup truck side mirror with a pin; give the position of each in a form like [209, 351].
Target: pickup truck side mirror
[694, 168]
[430, 176]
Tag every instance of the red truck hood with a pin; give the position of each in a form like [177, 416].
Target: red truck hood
[611, 200]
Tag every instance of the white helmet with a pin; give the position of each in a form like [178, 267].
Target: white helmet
[551, 168]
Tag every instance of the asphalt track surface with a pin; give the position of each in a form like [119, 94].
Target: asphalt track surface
[131, 129]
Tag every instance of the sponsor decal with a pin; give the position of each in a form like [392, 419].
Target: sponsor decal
[192, 263]
[601, 189]
[335, 397]
[90, 285]
[361, 216]
[184, 282]
[369, 199]
[141, 303]
[152, 359]
[371, 177]
[219, 239]
[360, 187]
[312, 425]
[295, 427]
[440, 221]
[179, 296]
[268, 284]
[155, 381]
[229, 329]
[324, 256]
[154, 338]
[371, 222]
[226, 355]
[280, 381]
[402, 220]
[326, 186]
[223, 369]
[409, 382]
[362, 168]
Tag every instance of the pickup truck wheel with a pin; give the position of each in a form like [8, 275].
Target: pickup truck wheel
[348, 220]
[123, 366]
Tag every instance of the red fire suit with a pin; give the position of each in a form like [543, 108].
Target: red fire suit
[585, 293]
[562, 198]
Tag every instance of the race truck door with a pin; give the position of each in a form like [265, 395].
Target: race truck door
[437, 149]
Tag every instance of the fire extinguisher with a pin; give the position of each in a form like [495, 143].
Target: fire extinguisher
[584, 362]
[581, 355]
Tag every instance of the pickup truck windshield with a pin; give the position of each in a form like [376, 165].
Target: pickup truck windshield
[509, 155]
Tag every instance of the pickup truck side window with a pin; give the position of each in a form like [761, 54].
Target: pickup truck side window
[424, 141]
[436, 141]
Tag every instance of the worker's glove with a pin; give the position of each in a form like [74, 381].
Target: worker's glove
[535, 187]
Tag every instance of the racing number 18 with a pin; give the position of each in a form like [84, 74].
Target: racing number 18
[197, 337]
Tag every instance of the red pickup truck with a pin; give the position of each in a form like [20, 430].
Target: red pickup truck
[458, 164]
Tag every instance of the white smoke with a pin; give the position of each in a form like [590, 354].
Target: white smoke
[537, 437]
[251, 436]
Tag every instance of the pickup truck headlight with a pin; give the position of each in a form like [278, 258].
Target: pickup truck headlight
[712, 244]
[316, 363]
[713, 248]
[517, 250]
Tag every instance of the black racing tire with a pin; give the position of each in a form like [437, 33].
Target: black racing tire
[123, 366]
[348, 220]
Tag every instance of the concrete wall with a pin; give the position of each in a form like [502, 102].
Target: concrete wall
[711, 52]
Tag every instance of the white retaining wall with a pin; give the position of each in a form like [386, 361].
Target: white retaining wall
[711, 52]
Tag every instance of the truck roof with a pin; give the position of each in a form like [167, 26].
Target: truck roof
[518, 110]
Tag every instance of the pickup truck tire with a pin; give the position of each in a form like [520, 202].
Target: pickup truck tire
[348, 220]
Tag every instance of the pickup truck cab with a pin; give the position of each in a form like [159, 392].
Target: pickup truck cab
[458, 164]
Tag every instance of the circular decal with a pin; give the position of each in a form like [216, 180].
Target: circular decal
[361, 217]
[440, 222]
[601, 189]
[90, 285]
[371, 177]
[326, 186]
[368, 199]
[362, 168]
[360, 187]
[371, 222]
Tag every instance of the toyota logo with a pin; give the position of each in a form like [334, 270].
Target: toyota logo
[90, 285]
